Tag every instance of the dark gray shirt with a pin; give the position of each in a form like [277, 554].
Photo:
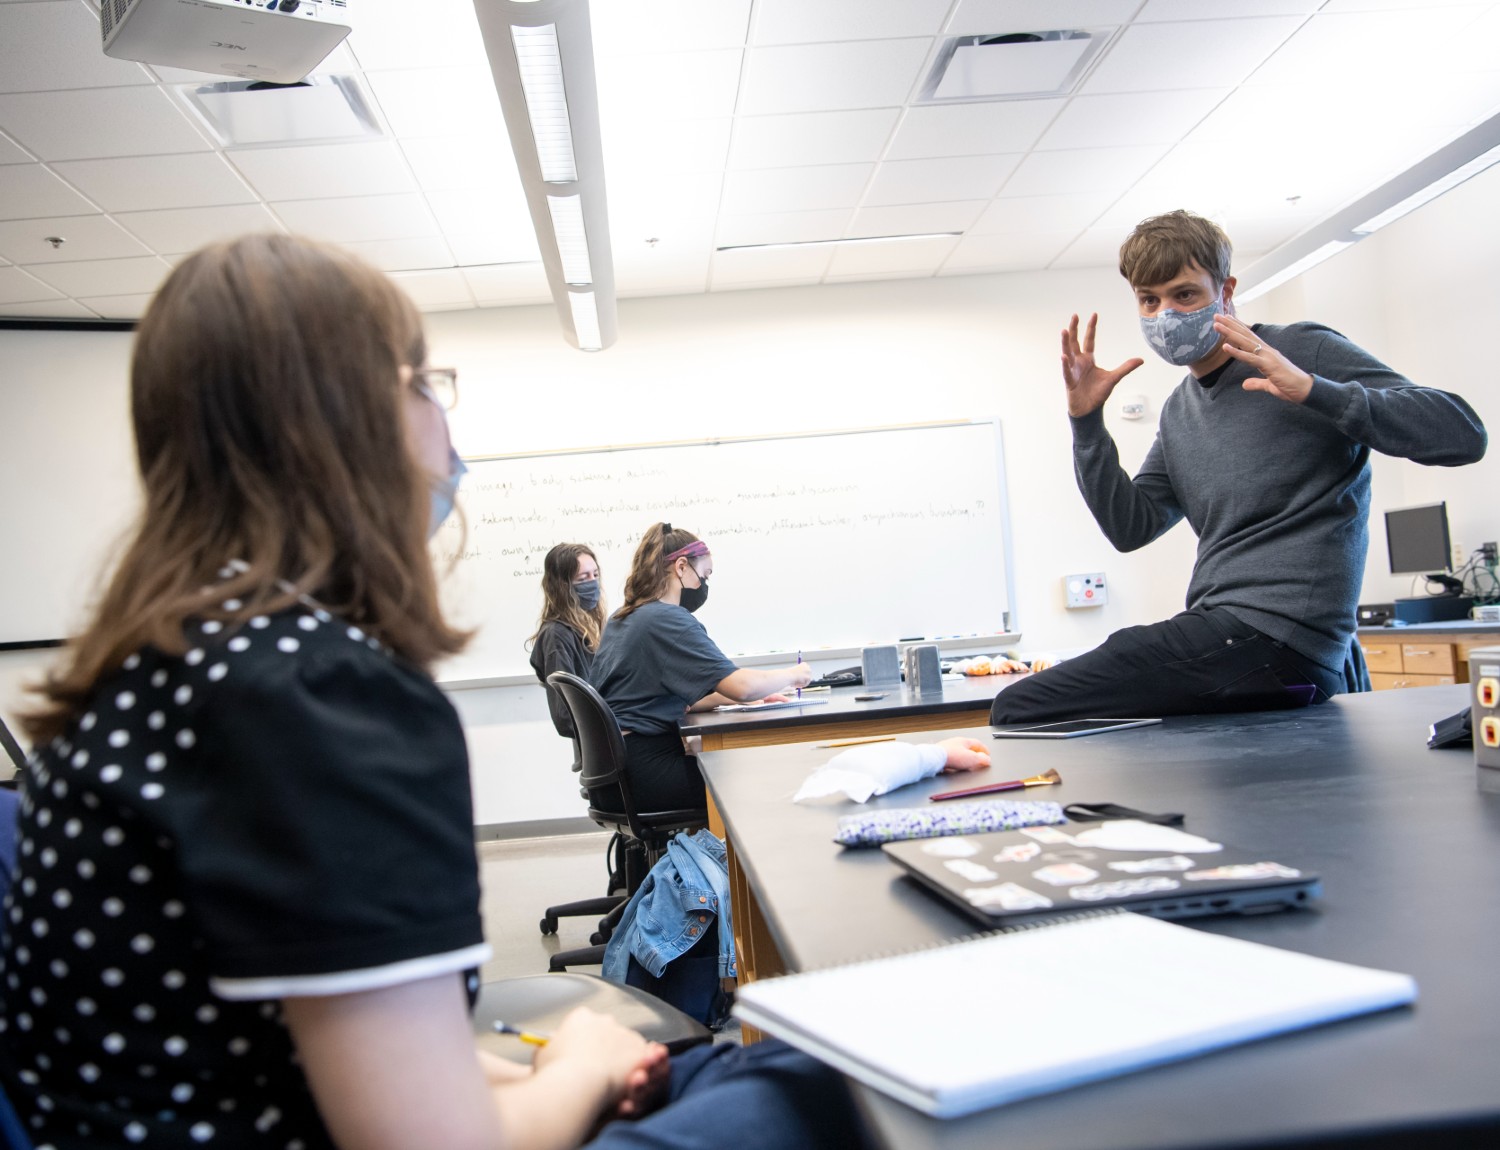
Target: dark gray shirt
[560, 648]
[654, 664]
[1278, 492]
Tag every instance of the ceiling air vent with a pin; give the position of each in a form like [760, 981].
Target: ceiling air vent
[1013, 65]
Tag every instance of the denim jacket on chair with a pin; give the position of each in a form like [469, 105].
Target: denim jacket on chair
[685, 891]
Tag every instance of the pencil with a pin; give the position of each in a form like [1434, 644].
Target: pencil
[523, 1035]
[1045, 779]
[854, 742]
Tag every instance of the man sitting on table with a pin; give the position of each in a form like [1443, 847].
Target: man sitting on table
[1265, 449]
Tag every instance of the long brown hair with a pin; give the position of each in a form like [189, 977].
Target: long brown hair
[648, 570]
[560, 602]
[269, 429]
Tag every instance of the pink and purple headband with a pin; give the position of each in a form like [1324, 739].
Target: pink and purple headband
[692, 550]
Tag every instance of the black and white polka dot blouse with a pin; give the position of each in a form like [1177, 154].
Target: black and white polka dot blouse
[281, 811]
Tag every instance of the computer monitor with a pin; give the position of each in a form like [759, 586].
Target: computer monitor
[1417, 539]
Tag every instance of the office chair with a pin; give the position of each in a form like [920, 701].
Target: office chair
[601, 758]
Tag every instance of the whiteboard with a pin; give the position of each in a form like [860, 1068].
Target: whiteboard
[834, 539]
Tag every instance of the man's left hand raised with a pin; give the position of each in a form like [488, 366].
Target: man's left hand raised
[1276, 376]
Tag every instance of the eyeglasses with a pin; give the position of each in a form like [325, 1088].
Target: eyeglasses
[438, 384]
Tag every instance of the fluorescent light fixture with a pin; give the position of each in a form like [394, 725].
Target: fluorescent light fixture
[1431, 192]
[572, 239]
[1293, 270]
[541, 58]
[585, 320]
[540, 64]
[1452, 164]
[848, 240]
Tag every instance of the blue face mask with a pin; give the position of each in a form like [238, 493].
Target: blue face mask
[1182, 337]
[588, 593]
[443, 494]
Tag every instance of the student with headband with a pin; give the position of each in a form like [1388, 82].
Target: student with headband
[656, 663]
[572, 621]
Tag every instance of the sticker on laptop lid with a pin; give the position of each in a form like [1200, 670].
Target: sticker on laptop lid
[952, 847]
[1018, 853]
[1153, 866]
[1243, 871]
[1006, 896]
[1049, 835]
[1134, 835]
[1124, 888]
[972, 871]
[1065, 874]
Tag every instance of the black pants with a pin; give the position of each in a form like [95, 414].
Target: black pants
[663, 777]
[1199, 662]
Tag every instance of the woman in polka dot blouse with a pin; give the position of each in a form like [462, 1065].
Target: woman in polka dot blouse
[246, 904]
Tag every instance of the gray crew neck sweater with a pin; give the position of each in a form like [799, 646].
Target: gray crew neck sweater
[1277, 492]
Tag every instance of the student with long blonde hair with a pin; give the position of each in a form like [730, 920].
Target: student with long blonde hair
[246, 906]
[572, 621]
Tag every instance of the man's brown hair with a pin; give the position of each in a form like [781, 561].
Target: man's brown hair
[1162, 246]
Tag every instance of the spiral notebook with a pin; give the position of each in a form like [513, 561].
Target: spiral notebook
[1034, 1009]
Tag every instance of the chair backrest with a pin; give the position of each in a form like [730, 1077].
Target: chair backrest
[12, 748]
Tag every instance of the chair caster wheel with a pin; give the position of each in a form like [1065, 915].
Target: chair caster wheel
[549, 925]
[597, 939]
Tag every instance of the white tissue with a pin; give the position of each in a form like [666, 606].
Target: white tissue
[876, 769]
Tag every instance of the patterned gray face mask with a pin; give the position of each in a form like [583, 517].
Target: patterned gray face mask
[1182, 337]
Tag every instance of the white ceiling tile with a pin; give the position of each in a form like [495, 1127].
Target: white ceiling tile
[888, 275]
[130, 184]
[509, 283]
[913, 219]
[669, 85]
[668, 26]
[1095, 248]
[1006, 253]
[1057, 213]
[13, 153]
[1104, 170]
[92, 123]
[432, 34]
[515, 245]
[763, 265]
[811, 138]
[1204, 54]
[479, 211]
[455, 305]
[119, 306]
[800, 22]
[640, 194]
[899, 256]
[693, 287]
[54, 45]
[679, 256]
[759, 285]
[1337, 6]
[432, 288]
[1220, 9]
[20, 286]
[177, 230]
[783, 227]
[794, 189]
[979, 17]
[28, 191]
[105, 277]
[931, 181]
[322, 171]
[1374, 46]
[448, 163]
[972, 129]
[359, 218]
[410, 254]
[671, 146]
[1130, 118]
[50, 309]
[86, 238]
[826, 77]
[440, 102]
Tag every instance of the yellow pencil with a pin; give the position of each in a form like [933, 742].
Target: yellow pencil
[523, 1035]
[853, 742]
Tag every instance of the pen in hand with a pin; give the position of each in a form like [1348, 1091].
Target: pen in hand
[523, 1035]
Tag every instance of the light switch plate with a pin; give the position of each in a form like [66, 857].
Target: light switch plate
[1085, 590]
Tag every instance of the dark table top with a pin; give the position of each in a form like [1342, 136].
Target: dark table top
[960, 694]
[1409, 853]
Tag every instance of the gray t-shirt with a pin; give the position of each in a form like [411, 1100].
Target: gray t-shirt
[1278, 492]
[654, 664]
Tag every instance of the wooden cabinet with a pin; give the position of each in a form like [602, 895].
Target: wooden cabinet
[1407, 657]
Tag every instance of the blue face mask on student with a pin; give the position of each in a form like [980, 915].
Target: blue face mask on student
[588, 593]
[1182, 337]
[445, 493]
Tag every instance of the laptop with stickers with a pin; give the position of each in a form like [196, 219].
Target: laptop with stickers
[1002, 877]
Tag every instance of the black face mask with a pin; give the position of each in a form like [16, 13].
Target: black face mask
[695, 597]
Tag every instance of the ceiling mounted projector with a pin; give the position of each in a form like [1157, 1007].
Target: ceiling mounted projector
[278, 41]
